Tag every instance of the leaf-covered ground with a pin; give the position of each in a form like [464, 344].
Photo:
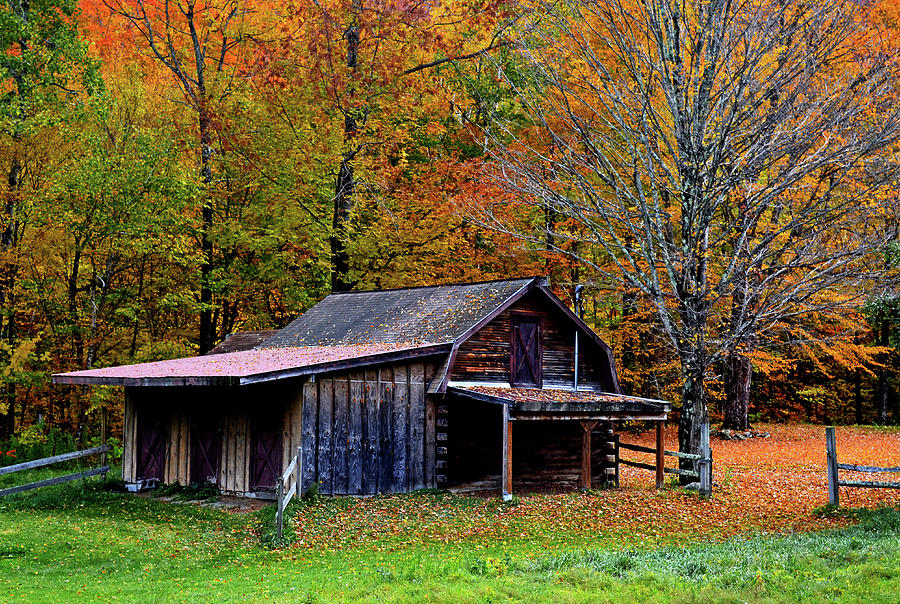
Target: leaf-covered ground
[762, 484]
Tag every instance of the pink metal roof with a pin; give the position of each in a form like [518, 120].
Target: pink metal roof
[245, 366]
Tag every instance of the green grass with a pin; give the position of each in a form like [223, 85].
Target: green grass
[81, 542]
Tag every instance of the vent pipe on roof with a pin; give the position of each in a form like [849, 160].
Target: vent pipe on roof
[578, 289]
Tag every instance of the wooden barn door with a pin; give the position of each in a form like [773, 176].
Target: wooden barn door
[206, 447]
[265, 453]
[525, 351]
[151, 445]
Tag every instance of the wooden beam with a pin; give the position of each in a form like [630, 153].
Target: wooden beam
[660, 454]
[586, 426]
[506, 468]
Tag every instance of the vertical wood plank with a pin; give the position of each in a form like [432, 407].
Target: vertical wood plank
[660, 454]
[129, 439]
[586, 427]
[399, 430]
[416, 450]
[506, 461]
[430, 443]
[242, 448]
[222, 481]
[326, 426]
[355, 439]
[310, 434]
[372, 438]
[832, 462]
[385, 404]
[340, 434]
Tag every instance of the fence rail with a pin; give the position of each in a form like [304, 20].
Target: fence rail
[702, 461]
[833, 467]
[46, 461]
[283, 494]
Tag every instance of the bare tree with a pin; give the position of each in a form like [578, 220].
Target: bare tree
[724, 156]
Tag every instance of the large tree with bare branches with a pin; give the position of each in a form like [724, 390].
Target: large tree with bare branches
[726, 159]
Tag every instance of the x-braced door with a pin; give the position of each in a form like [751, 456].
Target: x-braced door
[265, 459]
[206, 447]
[525, 351]
[151, 445]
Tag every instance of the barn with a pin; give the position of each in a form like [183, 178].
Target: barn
[490, 386]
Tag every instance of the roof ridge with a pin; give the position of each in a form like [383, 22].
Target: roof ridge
[465, 283]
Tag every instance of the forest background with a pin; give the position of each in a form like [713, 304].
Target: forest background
[178, 171]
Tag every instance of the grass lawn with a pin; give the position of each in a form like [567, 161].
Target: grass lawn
[84, 543]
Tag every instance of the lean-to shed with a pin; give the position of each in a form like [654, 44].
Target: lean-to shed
[386, 391]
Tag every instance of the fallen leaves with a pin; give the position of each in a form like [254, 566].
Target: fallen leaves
[762, 485]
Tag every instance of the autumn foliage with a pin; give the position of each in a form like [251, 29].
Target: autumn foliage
[152, 210]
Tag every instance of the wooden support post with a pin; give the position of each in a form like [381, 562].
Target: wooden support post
[587, 427]
[103, 420]
[506, 470]
[660, 454]
[832, 466]
[705, 463]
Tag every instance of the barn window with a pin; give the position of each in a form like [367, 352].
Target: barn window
[525, 351]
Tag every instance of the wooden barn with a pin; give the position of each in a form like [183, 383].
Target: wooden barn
[488, 386]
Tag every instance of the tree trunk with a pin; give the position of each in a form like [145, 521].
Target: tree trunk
[8, 240]
[884, 384]
[207, 328]
[345, 186]
[737, 392]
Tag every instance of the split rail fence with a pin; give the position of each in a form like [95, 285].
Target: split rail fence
[46, 461]
[284, 493]
[702, 461]
[834, 480]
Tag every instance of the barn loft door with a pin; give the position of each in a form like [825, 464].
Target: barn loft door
[151, 445]
[206, 445]
[265, 455]
[525, 351]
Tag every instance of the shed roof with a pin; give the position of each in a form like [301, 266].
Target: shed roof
[550, 403]
[441, 313]
[248, 366]
[243, 340]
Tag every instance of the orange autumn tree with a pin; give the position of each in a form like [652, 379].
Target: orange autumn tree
[364, 87]
[722, 159]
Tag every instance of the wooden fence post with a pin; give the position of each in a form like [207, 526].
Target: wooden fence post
[832, 465]
[660, 454]
[705, 462]
[279, 493]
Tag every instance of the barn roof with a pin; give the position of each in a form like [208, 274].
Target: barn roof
[248, 366]
[243, 340]
[441, 313]
[345, 330]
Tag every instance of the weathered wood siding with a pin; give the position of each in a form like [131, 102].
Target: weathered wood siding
[367, 432]
[362, 432]
[485, 357]
[232, 410]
